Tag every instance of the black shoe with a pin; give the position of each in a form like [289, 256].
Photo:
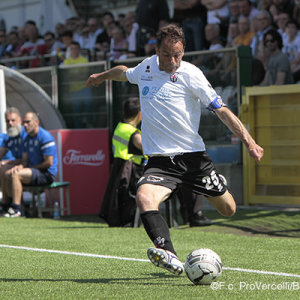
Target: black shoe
[199, 219]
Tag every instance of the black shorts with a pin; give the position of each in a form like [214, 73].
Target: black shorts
[40, 177]
[194, 170]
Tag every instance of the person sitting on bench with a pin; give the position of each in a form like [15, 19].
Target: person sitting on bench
[39, 163]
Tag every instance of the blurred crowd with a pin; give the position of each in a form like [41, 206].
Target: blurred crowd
[207, 24]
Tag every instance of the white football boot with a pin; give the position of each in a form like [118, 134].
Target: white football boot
[166, 260]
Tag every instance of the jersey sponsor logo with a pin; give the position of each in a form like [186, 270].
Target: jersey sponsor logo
[74, 157]
[147, 77]
[174, 77]
[145, 90]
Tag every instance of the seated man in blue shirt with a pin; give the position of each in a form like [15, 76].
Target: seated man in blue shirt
[11, 146]
[39, 163]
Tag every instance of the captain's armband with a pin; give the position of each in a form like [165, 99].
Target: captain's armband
[215, 104]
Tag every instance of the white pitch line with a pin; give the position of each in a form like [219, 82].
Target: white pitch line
[72, 253]
[138, 259]
[262, 272]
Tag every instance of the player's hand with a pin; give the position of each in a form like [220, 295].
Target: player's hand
[256, 152]
[95, 80]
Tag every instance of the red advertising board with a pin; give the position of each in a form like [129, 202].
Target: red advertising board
[83, 156]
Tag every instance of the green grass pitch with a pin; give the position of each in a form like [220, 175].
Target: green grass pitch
[254, 240]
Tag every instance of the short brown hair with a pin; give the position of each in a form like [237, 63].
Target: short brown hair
[171, 31]
[131, 107]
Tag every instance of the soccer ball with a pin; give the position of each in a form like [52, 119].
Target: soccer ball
[203, 266]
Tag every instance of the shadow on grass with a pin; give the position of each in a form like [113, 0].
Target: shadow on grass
[163, 277]
[266, 222]
[246, 221]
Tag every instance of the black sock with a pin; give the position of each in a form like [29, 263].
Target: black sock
[157, 230]
[16, 207]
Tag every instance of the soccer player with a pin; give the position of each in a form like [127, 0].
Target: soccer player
[170, 94]
[39, 163]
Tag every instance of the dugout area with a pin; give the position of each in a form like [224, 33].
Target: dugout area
[272, 114]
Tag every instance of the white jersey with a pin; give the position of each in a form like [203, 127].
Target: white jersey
[170, 106]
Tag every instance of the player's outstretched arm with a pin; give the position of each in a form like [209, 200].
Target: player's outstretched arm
[117, 73]
[237, 127]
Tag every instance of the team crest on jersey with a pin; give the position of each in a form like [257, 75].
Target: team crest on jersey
[174, 77]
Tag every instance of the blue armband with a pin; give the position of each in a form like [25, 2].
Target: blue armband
[215, 104]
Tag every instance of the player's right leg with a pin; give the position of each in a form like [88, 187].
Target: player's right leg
[148, 197]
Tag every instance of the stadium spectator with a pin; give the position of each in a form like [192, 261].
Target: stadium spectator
[21, 37]
[67, 39]
[217, 10]
[12, 143]
[120, 19]
[245, 34]
[131, 28]
[281, 20]
[222, 71]
[264, 24]
[247, 9]
[291, 45]
[234, 10]
[103, 39]
[118, 204]
[208, 63]
[150, 16]
[296, 12]
[72, 24]
[3, 42]
[191, 15]
[59, 30]
[12, 46]
[213, 36]
[34, 46]
[171, 112]
[233, 32]
[278, 69]
[83, 38]
[53, 45]
[264, 4]
[279, 6]
[94, 32]
[38, 167]
[75, 56]
[118, 44]
[80, 96]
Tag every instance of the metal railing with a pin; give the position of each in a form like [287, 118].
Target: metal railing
[102, 106]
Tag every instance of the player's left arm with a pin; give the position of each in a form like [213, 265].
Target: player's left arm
[237, 127]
